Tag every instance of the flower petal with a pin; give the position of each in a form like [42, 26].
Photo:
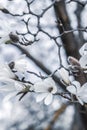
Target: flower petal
[64, 75]
[74, 87]
[48, 99]
[83, 49]
[80, 100]
[21, 64]
[7, 88]
[76, 84]
[41, 96]
[40, 87]
[50, 83]
[71, 89]
[83, 62]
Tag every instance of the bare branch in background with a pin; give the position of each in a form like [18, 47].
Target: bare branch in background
[57, 114]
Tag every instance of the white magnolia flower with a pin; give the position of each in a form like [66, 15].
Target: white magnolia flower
[83, 50]
[13, 87]
[79, 91]
[21, 64]
[46, 88]
[6, 72]
[64, 76]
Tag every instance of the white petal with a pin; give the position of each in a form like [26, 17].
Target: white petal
[8, 84]
[84, 98]
[83, 49]
[83, 90]
[11, 85]
[50, 83]
[74, 88]
[76, 84]
[40, 87]
[71, 89]
[41, 96]
[80, 100]
[83, 61]
[7, 88]
[21, 64]
[19, 85]
[4, 79]
[48, 99]
[64, 75]
[82, 93]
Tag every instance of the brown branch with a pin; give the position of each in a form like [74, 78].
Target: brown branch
[69, 42]
[40, 65]
[56, 116]
[70, 45]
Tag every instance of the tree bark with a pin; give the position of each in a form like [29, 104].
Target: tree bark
[71, 47]
[69, 42]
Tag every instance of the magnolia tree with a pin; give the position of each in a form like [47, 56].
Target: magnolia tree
[32, 25]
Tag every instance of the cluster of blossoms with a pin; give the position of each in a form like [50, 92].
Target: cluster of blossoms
[9, 80]
[45, 88]
[11, 83]
[73, 86]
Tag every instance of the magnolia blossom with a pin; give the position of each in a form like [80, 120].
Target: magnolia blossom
[46, 88]
[64, 76]
[79, 91]
[13, 87]
[19, 64]
[5, 71]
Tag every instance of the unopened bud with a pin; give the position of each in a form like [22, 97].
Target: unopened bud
[64, 76]
[73, 61]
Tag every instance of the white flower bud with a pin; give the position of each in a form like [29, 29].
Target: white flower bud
[64, 76]
[73, 61]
